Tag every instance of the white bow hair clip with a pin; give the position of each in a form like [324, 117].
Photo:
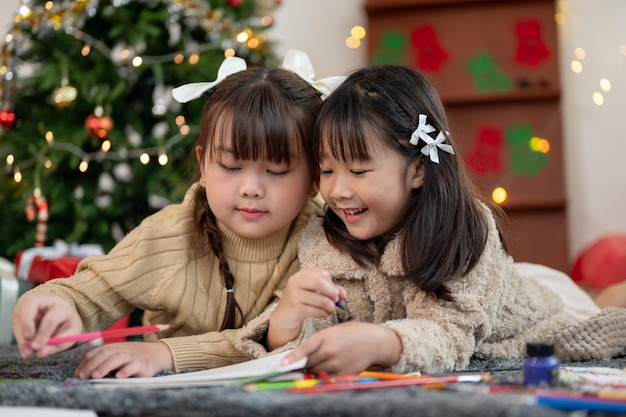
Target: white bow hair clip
[295, 61]
[191, 91]
[299, 62]
[430, 149]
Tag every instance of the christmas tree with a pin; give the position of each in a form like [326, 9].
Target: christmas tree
[88, 125]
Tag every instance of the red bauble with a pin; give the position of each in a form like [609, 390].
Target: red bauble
[98, 126]
[7, 119]
[601, 264]
[235, 3]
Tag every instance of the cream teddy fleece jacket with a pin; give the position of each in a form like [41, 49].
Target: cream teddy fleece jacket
[494, 313]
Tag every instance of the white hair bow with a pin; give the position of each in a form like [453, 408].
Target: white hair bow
[295, 61]
[191, 91]
[430, 149]
[299, 62]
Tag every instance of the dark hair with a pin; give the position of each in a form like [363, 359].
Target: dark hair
[268, 114]
[446, 229]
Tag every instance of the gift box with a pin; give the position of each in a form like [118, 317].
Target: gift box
[11, 289]
[60, 260]
[42, 270]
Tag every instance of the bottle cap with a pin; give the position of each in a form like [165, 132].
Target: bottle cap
[539, 349]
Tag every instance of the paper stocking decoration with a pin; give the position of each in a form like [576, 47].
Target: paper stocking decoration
[430, 55]
[485, 157]
[524, 160]
[486, 75]
[531, 49]
[391, 49]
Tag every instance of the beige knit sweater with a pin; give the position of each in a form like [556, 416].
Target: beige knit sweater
[495, 312]
[157, 268]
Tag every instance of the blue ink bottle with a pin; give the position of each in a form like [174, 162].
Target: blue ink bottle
[541, 367]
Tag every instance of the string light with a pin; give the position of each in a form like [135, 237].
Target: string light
[357, 33]
[598, 98]
[539, 145]
[499, 195]
[605, 84]
[559, 18]
[142, 154]
[162, 158]
[194, 59]
[243, 36]
[580, 53]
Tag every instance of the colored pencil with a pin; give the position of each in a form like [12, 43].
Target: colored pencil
[581, 402]
[386, 376]
[352, 386]
[106, 334]
[278, 385]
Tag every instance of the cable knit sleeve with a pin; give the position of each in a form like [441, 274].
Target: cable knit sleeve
[108, 287]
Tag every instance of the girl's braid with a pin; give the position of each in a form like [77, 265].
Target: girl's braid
[208, 222]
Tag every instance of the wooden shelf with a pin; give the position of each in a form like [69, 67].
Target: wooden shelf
[374, 6]
[507, 97]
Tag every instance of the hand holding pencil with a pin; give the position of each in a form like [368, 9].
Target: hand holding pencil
[309, 293]
[41, 317]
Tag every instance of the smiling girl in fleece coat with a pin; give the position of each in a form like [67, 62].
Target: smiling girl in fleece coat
[410, 250]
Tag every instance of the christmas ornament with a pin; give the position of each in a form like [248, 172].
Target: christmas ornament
[98, 125]
[64, 96]
[235, 3]
[7, 119]
[37, 206]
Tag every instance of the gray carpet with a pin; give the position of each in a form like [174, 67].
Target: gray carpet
[39, 383]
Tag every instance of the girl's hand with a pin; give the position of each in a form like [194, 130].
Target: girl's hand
[309, 293]
[40, 318]
[348, 348]
[126, 359]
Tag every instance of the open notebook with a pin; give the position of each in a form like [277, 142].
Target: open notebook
[261, 369]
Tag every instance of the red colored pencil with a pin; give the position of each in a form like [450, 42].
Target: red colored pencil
[106, 334]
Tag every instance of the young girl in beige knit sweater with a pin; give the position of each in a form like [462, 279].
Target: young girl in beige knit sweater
[409, 249]
[210, 264]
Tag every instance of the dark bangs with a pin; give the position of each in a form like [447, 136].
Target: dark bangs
[255, 123]
[343, 128]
